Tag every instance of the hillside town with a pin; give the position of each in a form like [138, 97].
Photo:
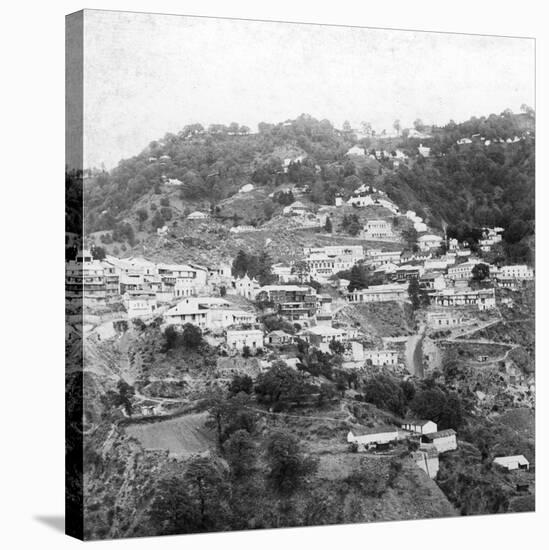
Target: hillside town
[392, 350]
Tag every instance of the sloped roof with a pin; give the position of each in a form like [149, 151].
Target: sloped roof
[440, 434]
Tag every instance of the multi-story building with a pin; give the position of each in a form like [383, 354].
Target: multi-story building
[442, 319]
[239, 336]
[246, 287]
[452, 297]
[292, 301]
[207, 313]
[379, 293]
[426, 242]
[381, 357]
[141, 305]
[376, 258]
[462, 271]
[520, 272]
[84, 278]
[378, 230]
[355, 252]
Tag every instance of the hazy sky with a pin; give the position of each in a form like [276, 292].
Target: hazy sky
[145, 75]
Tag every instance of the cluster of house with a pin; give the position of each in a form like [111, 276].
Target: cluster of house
[303, 215]
[141, 283]
[482, 139]
[432, 442]
[366, 195]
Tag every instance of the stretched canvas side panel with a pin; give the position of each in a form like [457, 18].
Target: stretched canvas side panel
[74, 55]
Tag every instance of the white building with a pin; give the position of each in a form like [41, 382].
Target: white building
[368, 437]
[420, 227]
[247, 287]
[324, 335]
[377, 230]
[241, 335]
[376, 258]
[361, 201]
[356, 252]
[516, 462]
[207, 313]
[356, 151]
[484, 299]
[296, 208]
[520, 272]
[424, 151]
[197, 216]
[379, 293]
[381, 357]
[443, 320]
[444, 440]
[463, 271]
[242, 229]
[426, 242]
[246, 188]
[141, 306]
[420, 426]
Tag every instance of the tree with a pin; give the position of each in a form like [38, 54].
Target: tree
[366, 128]
[240, 452]
[208, 490]
[414, 293]
[288, 466]
[157, 220]
[240, 264]
[98, 253]
[302, 270]
[418, 125]
[280, 383]
[328, 225]
[450, 365]
[435, 405]
[385, 393]
[142, 216]
[410, 236]
[336, 347]
[191, 336]
[241, 383]
[228, 414]
[480, 272]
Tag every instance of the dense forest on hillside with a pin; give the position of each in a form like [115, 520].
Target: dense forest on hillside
[463, 186]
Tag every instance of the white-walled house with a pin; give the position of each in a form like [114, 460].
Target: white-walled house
[361, 201]
[141, 306]
[420, 426]
[356, 151]
[379, 293]
[520, 272]
[378, 230]
[484, 299]
[444, 440]
[247, 287]
[296, 208]
[241, 335]
[197, 216]
[207, 312]
[516, 462]
[366, 437]
[381, 357]
[463, 271]
[426, 242]
[443, 319]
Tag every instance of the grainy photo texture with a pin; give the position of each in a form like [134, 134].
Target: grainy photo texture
[299, 275]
